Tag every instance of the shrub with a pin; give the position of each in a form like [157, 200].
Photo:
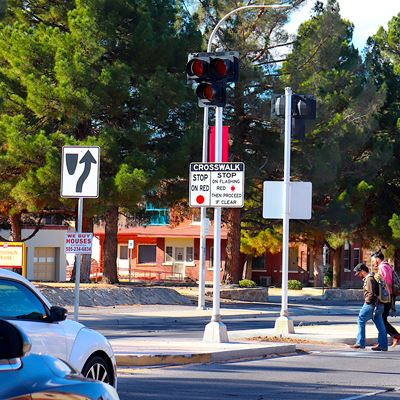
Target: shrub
[294, 284]
[247, 283]
[328, 276]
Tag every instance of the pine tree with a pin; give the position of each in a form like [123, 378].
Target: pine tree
[336, 155]
[106, 73]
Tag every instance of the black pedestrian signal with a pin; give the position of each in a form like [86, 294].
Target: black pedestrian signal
[304, 107]
[212, 71]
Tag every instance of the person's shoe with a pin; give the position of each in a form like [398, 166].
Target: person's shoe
[357, 346]
[373, 348]
[396, 339]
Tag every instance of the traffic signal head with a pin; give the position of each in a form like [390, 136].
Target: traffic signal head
[224, 67]
[211, 94]
[212, 67]
[212, 71]
[197, 69]
[304, 106]
[278, 106]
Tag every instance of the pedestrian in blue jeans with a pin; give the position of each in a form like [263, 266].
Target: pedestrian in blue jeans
[371, 309]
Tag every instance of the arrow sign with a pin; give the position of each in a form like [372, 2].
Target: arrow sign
[80, 171]
[87, 160]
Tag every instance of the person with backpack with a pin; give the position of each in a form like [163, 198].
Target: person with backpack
[385, 270]
[371, 309]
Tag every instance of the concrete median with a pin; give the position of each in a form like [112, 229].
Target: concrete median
[130, 352]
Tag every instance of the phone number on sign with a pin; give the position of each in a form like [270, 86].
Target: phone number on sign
[78, 249]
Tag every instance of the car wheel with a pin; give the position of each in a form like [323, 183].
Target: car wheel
[98, 369]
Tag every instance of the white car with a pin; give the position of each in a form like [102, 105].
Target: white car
[51, 333]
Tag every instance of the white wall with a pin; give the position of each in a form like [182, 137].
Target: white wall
[44, 238]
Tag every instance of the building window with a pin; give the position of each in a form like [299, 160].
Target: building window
[178, 254]
[147, 254]
[356, 256]
[189, 254]
[258, 264]
[211, 265]
[168, 254]
[123, 252]
[347, 256]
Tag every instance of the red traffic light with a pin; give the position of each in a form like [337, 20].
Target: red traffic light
[197, 68]
[221, 67]
[211, 94]
[206, 91]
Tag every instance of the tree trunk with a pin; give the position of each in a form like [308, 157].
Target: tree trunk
[248, 267]
[336, 281]
[110, 274]
[233, 270]
[16, 231]
[396, 261]
[318, 264]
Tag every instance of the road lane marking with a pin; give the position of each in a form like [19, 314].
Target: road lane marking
[361, 396]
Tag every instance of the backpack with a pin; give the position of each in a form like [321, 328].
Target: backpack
[395, 283]
[383, 294]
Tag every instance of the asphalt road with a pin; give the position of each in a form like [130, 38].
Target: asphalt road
[315, 373]
[328, 372]
[143, 321]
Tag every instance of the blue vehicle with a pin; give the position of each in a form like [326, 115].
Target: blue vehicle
[33, 376]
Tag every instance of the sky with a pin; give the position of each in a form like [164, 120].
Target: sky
[366, 15]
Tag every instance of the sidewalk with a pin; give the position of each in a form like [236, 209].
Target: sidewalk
[243, 344]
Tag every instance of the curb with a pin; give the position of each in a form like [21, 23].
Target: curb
[161, 359]
[203, 358]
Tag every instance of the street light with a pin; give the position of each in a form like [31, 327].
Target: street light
[217, 211]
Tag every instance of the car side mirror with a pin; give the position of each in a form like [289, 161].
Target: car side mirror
[58, 313]
[13, 341]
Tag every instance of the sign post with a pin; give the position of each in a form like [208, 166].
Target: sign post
[216, 185]
[80, 169]
[131, 244]
[286, 200]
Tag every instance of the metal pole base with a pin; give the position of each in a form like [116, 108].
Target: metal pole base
[215, 332]
[202, 308]
[283, 326]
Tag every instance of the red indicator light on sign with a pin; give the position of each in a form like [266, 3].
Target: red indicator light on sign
[233, 188]
[200, 199]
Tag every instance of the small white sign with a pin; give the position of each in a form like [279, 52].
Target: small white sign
[131, 244]
[78, 242]
[216, 185]
[80, 171]
[300, 200]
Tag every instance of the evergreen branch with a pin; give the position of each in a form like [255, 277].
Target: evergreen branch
[35, 231]
[271, 62]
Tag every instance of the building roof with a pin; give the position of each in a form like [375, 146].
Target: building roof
[184, 230]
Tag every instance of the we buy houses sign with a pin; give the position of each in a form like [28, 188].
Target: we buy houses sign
[78, 242]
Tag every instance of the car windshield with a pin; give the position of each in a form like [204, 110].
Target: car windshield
[19, 302]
